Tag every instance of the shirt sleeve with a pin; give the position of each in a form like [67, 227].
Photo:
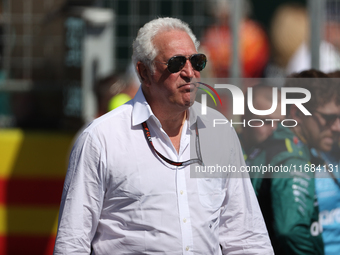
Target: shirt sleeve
[82, 198]
[295, 213]
[242, 228]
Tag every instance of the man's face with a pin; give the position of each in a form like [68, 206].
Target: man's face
[172, 90]
[322, 129]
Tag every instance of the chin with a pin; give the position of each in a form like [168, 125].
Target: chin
[326, 147]
[190, 103]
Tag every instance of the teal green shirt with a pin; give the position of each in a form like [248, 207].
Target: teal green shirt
[287, 199]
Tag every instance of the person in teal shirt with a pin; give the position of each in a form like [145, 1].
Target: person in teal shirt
[287, 194]
[262, 100]
[327, 185]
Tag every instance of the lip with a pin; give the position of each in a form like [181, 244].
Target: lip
[328, 139]
[189, 87]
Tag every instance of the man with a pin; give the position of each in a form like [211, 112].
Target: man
[252, 137]
[327, 186]
[287, 200]
[128, 188]
[329, 58]
[262, 100]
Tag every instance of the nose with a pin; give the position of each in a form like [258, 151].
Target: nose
[188, 70]
[336, 125]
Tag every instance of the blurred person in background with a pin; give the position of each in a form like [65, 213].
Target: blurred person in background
[108, 88]
[288, 30]
[128, 188]
[216, 42]
[113, 91]
[105, 89]
[288, 201]
[262, 100]
[253, 138]
[327, 185]
[329, 45]
[335, 74]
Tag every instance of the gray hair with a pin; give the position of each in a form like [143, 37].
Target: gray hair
[143, 47]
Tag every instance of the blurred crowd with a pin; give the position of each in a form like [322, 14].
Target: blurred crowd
[282, 49]
[294, 167]
[301, 208]
[275, 51]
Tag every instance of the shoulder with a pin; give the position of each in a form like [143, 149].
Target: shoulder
[290, 152]
[212, 120]
[215, 130]
[110, 124]
[218, 140]
[265, 151]
[282, 146]
[285, 145]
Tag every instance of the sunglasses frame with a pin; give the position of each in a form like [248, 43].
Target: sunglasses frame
[329, 121]
[187, 57]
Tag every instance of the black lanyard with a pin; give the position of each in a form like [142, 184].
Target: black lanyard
[185, 163]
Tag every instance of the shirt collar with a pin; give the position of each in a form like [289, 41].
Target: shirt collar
[141, 109]
[194, 115]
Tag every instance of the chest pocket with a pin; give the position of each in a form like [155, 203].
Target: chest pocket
[210, 192]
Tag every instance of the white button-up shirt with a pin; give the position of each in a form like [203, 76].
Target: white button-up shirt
[119, 197]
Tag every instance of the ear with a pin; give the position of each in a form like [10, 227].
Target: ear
[143, 72]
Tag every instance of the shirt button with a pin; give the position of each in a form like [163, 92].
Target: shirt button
[181, 192]
[184, 220]
[187, 248]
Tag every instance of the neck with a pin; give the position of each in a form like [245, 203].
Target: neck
[172, 124]
[171, 117]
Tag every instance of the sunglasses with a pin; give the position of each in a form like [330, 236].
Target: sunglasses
[329, 118]
[176, 63]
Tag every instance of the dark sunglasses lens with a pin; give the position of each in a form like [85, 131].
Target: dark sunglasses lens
[175, 64]
[198, 61]
[330, 119]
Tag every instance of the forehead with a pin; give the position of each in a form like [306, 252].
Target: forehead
[173, 42]
[329, 108]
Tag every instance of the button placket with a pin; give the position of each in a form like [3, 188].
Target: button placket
[183, 206]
